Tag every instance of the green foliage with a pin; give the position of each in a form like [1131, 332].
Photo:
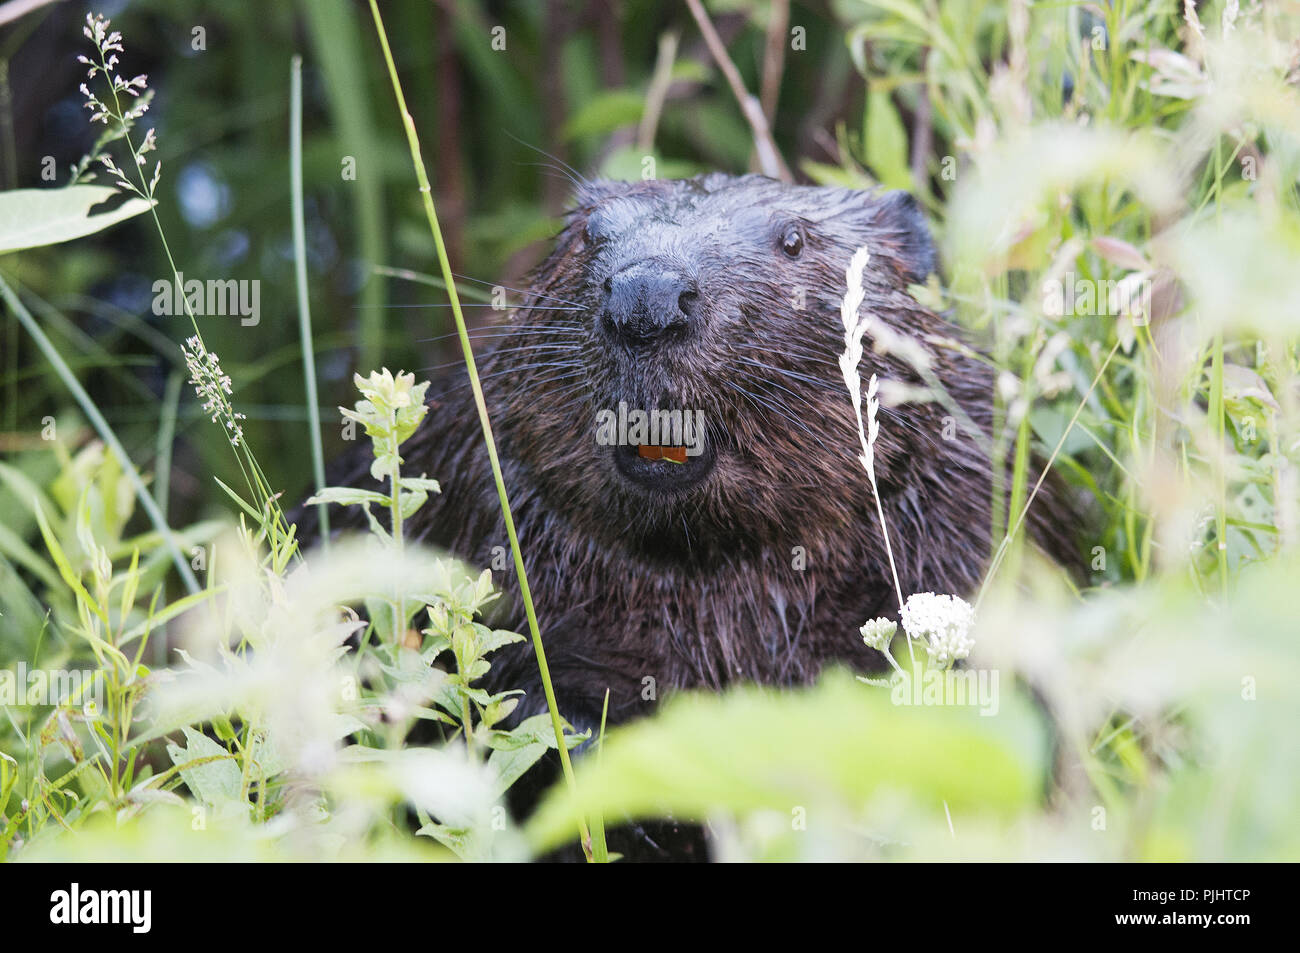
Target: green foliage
[831, 751]
[31, 218]
[268, 688]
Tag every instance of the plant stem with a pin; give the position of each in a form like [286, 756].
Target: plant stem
[254, 477]
[304, 304]
[1220, 459]
[103, 429]
[395, 526]
[1011, 534]
[395, 488]
[426, 194]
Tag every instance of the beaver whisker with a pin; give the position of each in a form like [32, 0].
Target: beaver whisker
[538, 347]
[531, 348]
[463, 304]
[793, 374]
[757, 401]
[504, 331]
[848, 427]
[582, 398]
[524, 367]
[576, 177]
[533, 366]
[890, 411]
[549, 380]
[551, 171]
[519, 291]
[789, 350]
[757, 379]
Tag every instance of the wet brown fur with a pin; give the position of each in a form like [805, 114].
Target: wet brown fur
[644, 593]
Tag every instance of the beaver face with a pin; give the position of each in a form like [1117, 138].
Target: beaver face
[686, 334]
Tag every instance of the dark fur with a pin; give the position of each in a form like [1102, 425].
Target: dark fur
[697, 589]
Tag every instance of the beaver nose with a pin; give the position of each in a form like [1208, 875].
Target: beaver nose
[645, 302]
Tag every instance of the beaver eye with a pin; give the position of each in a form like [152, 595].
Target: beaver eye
[792, 241]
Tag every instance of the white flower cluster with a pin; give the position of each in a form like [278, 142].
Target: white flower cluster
[213, 387]
[108, 45]
[942, 623]
[878, 632]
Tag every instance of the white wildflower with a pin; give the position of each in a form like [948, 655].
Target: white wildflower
[123, 110]
[942, 623]
[213, 387]
[877, 633]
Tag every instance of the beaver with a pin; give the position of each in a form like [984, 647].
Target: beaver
[755, 555]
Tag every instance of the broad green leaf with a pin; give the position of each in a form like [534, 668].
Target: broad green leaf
[31, 218]
[886, 142]
[347, 496]
[411, 501]
[419, 483]
[214, 782]
[517, 751]
[840, 743]
[489, 640]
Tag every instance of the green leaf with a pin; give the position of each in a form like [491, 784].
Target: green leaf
[838, 744]
[410, 502]
[213, 782]
[604, 113]
[886, 142]
[518, 750]
[70, 576]
[489, 640]
[16, 548]
[171, 611]
[240, 501]
[347, 496]
[31, 218]
[419, 483]
[8, 776]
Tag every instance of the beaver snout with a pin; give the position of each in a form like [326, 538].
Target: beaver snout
[648, 302]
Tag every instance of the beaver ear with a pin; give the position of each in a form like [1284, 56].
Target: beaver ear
[898, 223]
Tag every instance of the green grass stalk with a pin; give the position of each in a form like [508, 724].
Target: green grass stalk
[304, 303]
[426, 195]
[103, 429]
[1001, 553]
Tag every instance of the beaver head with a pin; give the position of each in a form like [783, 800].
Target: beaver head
[716, 300]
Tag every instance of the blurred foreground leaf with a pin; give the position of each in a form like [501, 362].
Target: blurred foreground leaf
[839, 743]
